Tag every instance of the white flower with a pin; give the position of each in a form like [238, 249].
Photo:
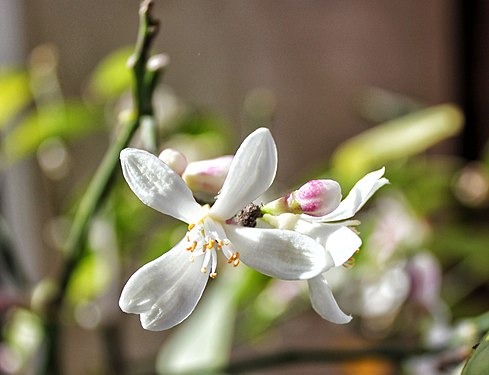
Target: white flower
[333, 232]
[165, 291]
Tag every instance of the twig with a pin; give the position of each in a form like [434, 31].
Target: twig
[145, 78]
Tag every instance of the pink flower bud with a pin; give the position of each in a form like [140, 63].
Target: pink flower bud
[174, 159]
[207, 176]
[316, 197]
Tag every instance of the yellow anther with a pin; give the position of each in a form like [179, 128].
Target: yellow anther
[234, 258]
[192, 247]
[213, 275]
[203, 270]
[191, 226]
[211, 244]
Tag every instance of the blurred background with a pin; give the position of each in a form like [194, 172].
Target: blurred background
[317, 73]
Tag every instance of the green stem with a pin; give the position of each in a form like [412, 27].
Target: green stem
[144, 84]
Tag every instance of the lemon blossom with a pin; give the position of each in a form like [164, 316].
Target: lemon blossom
[165, 291]
[334, 232]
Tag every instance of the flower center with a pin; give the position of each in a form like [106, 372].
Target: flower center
[205, 239]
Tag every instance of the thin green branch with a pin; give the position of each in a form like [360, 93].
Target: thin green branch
[145, 77]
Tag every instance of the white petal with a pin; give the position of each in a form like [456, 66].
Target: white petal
[279, 253]
[250, 175]
[358, 196]
[166, 290]
[342, 243]
[324, 303]
[157, 185]
[338, 240]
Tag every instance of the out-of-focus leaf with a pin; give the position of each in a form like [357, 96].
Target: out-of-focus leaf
[23, 333]
[378, 105]
[203, 342]
[14, 93]
[111, 77]
[426, 195]
[273, 300]
[92, 276]
[478, 363]
[67, 121]
[97, 270]
[396, 139]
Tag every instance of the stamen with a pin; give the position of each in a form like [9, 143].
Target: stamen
[234, 259]
[207, 258]
[213, 275]
[191, 226]
[192, 247]
[213, 261]
[203, 270]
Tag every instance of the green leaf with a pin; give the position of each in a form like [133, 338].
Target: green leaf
[111, 77]
[23, 332]
[396, 139]
[90, 279]
[478, 363]
[14, 93]
[67, 121]
[202, 344]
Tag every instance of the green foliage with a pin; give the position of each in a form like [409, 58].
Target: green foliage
[111, 77]
[14, 93]
[425, 195]
[66, 120]
[204, 340]
[90, 279]
[23, 333]
[396, 139]
[478, 363]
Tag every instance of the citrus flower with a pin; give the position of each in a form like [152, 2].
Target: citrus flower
[334, 231]
[165, 291]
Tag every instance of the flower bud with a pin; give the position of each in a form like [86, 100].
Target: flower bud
[174, 159]
[207, 176]
[315, 198]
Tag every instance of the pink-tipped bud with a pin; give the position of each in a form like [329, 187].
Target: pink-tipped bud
[316, 197]
[174, 159]
[207, 176]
